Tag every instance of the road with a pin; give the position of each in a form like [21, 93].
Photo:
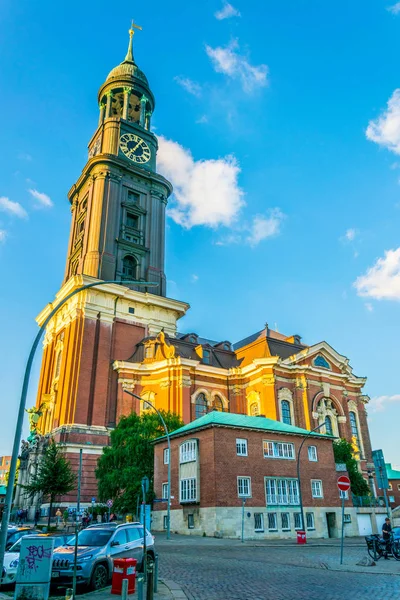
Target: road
[225, 570]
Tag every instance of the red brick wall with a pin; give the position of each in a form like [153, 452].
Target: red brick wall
[394, 492]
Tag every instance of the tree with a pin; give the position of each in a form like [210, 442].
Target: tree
[54, 476]
[343, 452]
[130, 457]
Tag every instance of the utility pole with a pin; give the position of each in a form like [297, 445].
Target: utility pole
[78, 509]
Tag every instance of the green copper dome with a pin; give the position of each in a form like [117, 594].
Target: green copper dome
[127, 69]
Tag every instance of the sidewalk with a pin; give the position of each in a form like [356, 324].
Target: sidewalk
[167, 590]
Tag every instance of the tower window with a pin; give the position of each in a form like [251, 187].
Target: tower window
[132, 197]
[132, 221]
[129, 267]
[353, 425]
[286, 416]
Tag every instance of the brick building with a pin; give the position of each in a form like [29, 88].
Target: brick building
[393, 491]
[124, 335]
[219, 459]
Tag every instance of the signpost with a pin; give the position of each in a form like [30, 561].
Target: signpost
[145, 489]
[343, 484]
[109, 504]
[381, 475]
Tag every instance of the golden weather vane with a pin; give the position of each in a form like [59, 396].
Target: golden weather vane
[133, 27]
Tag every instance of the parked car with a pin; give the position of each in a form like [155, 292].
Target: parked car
[11, 558]
[97, 548]
[15, 533]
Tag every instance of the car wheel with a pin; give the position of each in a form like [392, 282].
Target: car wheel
[99, 578]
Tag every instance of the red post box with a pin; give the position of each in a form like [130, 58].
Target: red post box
[301, 537]
[123, 568]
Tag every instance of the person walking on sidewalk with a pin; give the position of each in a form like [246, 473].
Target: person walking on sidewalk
[387, 534]
[58, 515]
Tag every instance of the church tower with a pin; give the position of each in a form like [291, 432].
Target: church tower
[117, 233]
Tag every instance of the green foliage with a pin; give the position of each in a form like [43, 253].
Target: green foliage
[343, 452]
[54, 476]
[130, 457]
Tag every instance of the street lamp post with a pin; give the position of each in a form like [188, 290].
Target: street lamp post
[20, 419]
[169, 457]
[298, 472]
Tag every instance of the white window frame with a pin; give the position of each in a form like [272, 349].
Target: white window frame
[259, 529]
[288, 528]
[312, 453]
[241, 447]
[317, 490]
[310, 527]
[164, 491]
[188, 490]
[188, 452]
[283, 450]
[272, 516]
[166, 456]
[280, 491]
[240, 482]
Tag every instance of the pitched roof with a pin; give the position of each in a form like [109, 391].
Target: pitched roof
[391, 473]
[223, 419]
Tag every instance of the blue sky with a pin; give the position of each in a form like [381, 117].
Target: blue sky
[289, 194]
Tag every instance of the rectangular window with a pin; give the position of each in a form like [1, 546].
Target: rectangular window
[206, 357]
[312, 453]
[244, 487]
[241, 447]
[278, 450]
[164, 491]
[131, 310]
[190, 521]
[187, 452]
[391, 498]
[132, 221]
[316, 488]
[165, 521]
[272, 522]
[166, 456]
[310, 520]
[347, 518]
[258, 522]
[132, 197]
[285, 521]
[188, 490]
[344, 495]
[282, 491]
[297, 520]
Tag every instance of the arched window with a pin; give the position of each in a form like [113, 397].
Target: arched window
[129, 267]
[328, 426]
[286, 416]
[354, 428]
[254, 409]
[201, 406]
[218, 404]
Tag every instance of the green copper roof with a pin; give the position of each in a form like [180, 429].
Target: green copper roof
[216, 418]
[391, 473]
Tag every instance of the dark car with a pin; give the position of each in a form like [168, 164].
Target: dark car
[15, 533]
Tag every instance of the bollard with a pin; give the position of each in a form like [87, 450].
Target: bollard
[69, 594]
[150, 581]
[156, 573]
[140, 587]
[124, 592]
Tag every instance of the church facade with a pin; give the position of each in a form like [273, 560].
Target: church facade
[123, 335]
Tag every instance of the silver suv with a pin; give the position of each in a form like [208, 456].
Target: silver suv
[97, 548]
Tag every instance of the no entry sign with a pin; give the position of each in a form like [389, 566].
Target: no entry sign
[343, 483]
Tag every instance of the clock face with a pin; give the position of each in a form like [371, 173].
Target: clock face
[134, 148]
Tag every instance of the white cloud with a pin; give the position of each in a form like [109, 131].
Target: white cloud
[194, 278]
[382, 280]
[3, 235]
[192, 87]
[226, 12]
[385, 130]
[202, 119]
[12, 208]
[229, 62]
[206, 191]
[395, 8]
[379, 403]
[43, 199]
[369, 306]
[265, 227]
[350, 235]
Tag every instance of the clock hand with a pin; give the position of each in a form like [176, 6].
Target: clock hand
[137, 146]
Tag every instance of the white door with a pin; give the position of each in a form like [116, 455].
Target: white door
[380, 519]
[364, 524]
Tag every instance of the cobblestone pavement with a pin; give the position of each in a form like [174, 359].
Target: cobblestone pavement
[226, 570]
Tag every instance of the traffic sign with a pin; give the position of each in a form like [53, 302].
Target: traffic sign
[145, 484]
[93, 500]
[343, 483]
[109, 503]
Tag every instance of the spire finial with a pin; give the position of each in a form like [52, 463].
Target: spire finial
[129, 54]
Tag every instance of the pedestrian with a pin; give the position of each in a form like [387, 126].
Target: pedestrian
[65, 517]
[387, 535]
[37, 516]
[58, 516]
[98, 518]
